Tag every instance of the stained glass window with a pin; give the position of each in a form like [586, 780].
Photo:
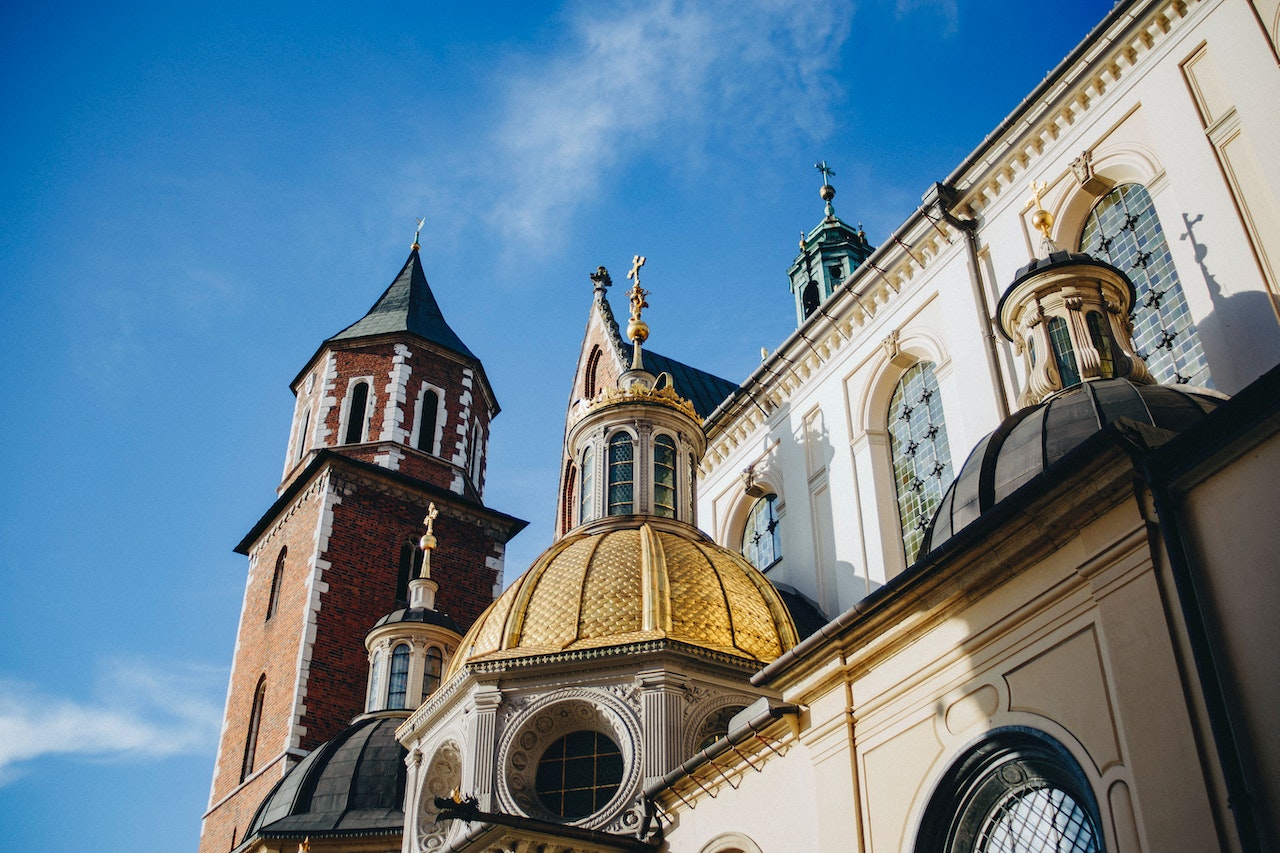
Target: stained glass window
[431, 673]
[621, 485]
[761, 542]
[921, 455]
[1123, 230]
[664, 477]
[1064, 353]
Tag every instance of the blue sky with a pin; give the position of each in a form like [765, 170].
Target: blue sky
[194, 197]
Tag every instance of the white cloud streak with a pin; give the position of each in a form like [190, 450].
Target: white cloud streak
[141, 712]
[670, 80]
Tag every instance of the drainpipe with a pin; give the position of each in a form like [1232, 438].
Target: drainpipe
[942, 197]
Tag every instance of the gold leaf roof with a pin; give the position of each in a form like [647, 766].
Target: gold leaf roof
[625, 585]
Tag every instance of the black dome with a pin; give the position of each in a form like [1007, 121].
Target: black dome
[350, 785]
[419, 614]
[1032, 441]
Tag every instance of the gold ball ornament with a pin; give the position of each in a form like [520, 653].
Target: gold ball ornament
[427, 542]
[1042, 221]
[638, 330]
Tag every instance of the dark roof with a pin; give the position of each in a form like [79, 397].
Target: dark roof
[1032, 441]
[351, 785]
[804, 611]
[408, 305]
[704, 390]
[419, 614]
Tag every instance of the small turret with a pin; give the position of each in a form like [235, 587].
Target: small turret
[828, 254]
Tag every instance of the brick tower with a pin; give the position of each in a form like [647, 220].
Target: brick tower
[392, 414]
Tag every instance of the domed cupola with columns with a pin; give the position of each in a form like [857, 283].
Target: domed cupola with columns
[1068, 316]
[623, 650]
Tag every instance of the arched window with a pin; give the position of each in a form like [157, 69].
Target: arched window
[587, 497]
[1017, 791]
[621, 484]
[568, 496]
[1123, 230]
[1101, 339]
[1064, 354]
[716, 726]
[410, 568]
[579, 774]
[375, 677]
[273, 597]
[664, 476]
[428, 409]
[476, 453]
[921, 455]
[304, 435]
[809, 299]
[591, 380]
[761, 541]
[255, 723]
[431, 672]
[356, 413]
[398, 683]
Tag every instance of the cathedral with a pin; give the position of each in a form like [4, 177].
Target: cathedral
[981, 557]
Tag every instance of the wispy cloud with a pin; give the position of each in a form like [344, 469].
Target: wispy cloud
[667, 80]
[140, 711]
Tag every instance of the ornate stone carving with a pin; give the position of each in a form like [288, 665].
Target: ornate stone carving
[443, 776]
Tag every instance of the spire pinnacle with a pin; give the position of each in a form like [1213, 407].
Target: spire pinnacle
[421, 221]
[827, 192]
[428, 541]
[422, 589]
[637, 329]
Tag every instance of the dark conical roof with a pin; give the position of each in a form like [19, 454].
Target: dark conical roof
[408, 305]
[351, 785]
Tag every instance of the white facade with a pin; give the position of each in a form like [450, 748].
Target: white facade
[1180, 98]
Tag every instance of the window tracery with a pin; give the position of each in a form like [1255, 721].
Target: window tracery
[921, 454]
[1123, 230]
[664, 477]
[621, 474]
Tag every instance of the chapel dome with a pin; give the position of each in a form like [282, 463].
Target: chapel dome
[1030, 442]
[352, 784]
[607, 584]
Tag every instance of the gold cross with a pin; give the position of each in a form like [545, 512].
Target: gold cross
[430, 520]
[636, 263]
[1036, 189]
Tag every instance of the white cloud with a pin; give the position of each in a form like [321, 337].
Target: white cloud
[140, 711]
[668, 80]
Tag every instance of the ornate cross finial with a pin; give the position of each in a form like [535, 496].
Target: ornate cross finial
[1037, 187]
[1041, 219]
[421, 221]
[428, 540]
[636, 262]
[825, 170]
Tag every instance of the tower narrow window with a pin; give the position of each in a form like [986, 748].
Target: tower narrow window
[591, 381]
[809, 299]
[431, 671]
[410, 568]
[398, 682]
[761, 540]
[1102, 343]
[255, 723]
[1064, 353]
[568, 495]
[273, 597]
[664, 477]
[1123, 229]
[921, 455]
[428, 409]
[304, 436]
[354, 433]
[621, 484]
[587, 495]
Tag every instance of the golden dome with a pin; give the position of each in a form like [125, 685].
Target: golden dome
[625, 585]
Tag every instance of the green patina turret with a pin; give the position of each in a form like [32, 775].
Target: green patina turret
[828, 255]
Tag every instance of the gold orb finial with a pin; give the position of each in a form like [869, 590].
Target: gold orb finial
[637, 329]
[1041, 219]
